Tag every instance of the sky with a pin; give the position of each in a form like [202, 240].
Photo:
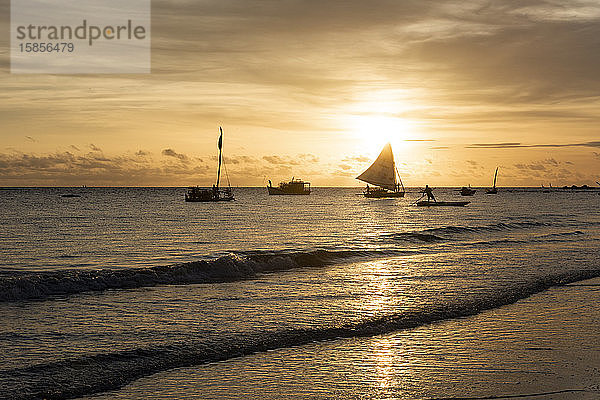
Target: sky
[314, 89]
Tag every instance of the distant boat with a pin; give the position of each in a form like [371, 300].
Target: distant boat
[427, 203]
[384, 175]
[293, 187]
[198, 194]
[493, 189]
[467, 191]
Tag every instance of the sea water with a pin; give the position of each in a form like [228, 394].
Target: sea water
[118, 284]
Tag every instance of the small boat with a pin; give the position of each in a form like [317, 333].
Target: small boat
[427, 203]
[293, 187]
[467, 191]
[198, 194]
[493, 189]
[384, 175]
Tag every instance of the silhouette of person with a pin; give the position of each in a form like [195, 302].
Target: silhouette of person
[429, 192]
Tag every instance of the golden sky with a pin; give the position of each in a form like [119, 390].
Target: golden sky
[314, 89]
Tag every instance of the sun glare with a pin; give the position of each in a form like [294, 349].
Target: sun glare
[372, 132]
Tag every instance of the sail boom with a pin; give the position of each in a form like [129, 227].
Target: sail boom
[384, 185]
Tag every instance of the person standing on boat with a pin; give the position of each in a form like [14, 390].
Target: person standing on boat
[429, 192]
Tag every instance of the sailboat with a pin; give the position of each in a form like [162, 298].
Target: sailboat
[198, 194]
[493, 189]
[384, 175]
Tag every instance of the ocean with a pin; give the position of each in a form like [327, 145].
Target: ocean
[133, 293]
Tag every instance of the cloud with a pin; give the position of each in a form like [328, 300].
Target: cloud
[357, 159]
[95, 148]
[511, 145]
[311, 158]
[277, 160]
[234, 160]
[532, 167]
[74, 147]
[65, 168]
[174, 154]
[30, 139]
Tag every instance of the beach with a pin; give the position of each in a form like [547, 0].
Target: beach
[546, 346]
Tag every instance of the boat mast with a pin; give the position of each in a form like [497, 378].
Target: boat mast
[495, 176]
[220, 145]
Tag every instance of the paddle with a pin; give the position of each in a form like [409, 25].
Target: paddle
[417, 200]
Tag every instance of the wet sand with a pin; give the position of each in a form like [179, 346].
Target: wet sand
[544, 347]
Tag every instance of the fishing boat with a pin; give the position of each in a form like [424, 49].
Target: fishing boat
[493, 189]
[293, 187]
[467, 191]
[384, 175]
[428, 203]
[198, 194]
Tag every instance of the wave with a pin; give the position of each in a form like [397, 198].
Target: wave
[502, 226]
[451, 232]
[109, 371]
[229, 268]
[232, 267]
[551, 237]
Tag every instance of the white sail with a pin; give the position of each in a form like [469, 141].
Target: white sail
[383, 171]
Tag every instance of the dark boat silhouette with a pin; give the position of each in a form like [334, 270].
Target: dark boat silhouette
[198, 194]
[427, 203]
[493, 189]
[467, 191]
[384, 175]
[293, 187]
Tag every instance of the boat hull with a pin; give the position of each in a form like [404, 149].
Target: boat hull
[274, 191]
[382, 194]
[467, 191]
[213, 200]
[426, 203]
[198, 195]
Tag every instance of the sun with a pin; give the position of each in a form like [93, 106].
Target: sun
[373, 131]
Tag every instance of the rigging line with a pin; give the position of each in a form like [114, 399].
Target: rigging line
[399, 177]
[226, 174]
